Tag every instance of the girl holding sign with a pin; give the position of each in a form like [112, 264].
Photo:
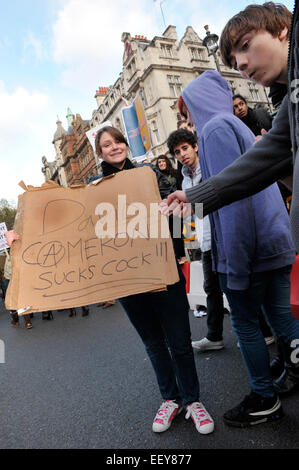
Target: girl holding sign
[160, 318]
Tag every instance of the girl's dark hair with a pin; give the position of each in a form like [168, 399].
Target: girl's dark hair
[169, 168]
[114, 132]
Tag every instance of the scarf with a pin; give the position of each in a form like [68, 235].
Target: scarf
[109, 169]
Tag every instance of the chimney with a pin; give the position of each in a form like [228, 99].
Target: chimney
[100, 95]
[141, 38]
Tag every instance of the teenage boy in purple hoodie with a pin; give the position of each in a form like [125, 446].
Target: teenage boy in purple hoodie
[251, 246]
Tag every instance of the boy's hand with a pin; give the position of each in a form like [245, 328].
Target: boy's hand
[11, 236]
[259, 137]
[176, 204]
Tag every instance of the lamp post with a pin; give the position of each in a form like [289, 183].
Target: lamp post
[210, 42]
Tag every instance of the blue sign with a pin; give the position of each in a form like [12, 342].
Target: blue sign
[133, 131]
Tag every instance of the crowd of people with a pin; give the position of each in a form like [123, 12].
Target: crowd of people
[256, 42]
[228, 157]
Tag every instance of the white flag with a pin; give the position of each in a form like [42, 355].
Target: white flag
[91, 135]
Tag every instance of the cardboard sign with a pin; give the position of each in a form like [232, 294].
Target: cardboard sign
[69, 256]
[3, 241]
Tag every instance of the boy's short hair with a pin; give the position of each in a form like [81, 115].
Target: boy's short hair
[240, 98]
[272, 17]
[180, 136]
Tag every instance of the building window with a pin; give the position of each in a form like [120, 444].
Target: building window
[85, 161]
[155, 133]
[131, 68]
[175, 85]
[166, 51]
[143, 97]
[119, 125]
[232, 86]
[196, 53]
[254, 91]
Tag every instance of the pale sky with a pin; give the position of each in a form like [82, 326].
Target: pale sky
[54, 54]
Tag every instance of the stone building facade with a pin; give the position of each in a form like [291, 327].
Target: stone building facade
[158, 70]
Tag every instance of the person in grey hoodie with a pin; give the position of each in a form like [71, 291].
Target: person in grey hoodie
[252, 247]
[262, 43]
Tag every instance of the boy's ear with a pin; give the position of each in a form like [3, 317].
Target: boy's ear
[284, 33]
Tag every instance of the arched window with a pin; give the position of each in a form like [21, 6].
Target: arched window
[155, 132]
[118, 124]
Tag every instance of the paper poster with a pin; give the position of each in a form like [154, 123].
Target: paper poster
[3, 242]
[137, 131]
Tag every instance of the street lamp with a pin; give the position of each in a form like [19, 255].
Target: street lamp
[210, 42]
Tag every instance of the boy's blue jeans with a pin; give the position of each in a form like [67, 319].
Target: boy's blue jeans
[271, 290]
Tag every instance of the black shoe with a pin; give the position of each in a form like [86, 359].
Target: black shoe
[47, 315]
[254, 409]
[85, 311]
[287, 383]
[277, 366]
[14, 318]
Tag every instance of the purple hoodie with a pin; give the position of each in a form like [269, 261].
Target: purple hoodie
[251, 235]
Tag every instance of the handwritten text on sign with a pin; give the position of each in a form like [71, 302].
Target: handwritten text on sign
[60, 260]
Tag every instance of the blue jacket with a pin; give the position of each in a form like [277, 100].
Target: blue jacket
[251, 235]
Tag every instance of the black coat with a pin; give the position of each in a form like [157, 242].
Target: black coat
[257, 119]
[165, 187]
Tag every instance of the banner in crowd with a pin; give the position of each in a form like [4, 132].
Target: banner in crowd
[89, 244]
[137, 130]
[3, 242]
[142, 123]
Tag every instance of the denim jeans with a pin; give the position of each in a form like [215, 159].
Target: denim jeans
[162, 322]
[4, 287]
[272, 290]
[215, 307]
